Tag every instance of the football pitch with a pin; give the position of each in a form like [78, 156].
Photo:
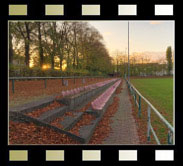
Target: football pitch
[159, 91]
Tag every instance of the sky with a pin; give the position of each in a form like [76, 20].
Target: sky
[145, 36]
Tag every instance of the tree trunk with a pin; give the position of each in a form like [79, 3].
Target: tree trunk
[61, 64]
[27, 44]
[68, 60]
[54, 45]
[10, 49]
[52, 61]
[40, 45]
[74, 59]
[61, 59]
[75, 51]
[27, 58]
[77, 59]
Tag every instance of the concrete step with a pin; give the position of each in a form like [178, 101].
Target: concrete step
[86, 131]
[52, 114]
[25, 118]
[70, 121]
[29, 107]
[74, 101]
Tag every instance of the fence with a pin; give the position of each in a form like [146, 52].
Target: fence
[47, 78]
[150, 107]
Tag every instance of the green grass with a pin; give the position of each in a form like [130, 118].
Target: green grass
[159, 91]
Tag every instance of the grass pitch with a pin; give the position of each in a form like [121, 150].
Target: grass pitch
[159, 91]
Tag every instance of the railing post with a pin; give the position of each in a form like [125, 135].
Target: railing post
[148, 122]
[62, 81]
[13, 86]
[139, 113]
[45, 83]
[83, 81]
[74, 80]
[67, 82]
[135, 98]
[170, 137]
[132, 90]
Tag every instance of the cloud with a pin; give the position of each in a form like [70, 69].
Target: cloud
[155, 22]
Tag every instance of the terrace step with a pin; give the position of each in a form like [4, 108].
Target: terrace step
[70, 121]
[29, 107]
[86, 131]
[24, 118]
[52, 114]
[92, 112]
[75, 100]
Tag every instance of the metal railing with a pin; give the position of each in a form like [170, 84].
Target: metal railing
[150, 107]
[63, 79]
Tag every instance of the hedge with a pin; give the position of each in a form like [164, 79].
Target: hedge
[17, 71]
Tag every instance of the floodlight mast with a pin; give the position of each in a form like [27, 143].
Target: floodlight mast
[128, 56]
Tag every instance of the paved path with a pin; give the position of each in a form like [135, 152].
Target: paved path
[123, 126]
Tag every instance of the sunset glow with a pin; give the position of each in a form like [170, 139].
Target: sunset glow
[145, 36]
[46, 67]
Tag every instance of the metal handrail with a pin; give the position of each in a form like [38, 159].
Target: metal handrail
[29, 78]
[47, 78]
[150, 106]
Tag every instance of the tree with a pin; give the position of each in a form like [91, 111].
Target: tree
[11, 31]
[54, 44]
[23, 32]
[50, 41]
[169, 59]
[39, 29]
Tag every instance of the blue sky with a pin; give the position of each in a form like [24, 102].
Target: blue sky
[145, 36]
